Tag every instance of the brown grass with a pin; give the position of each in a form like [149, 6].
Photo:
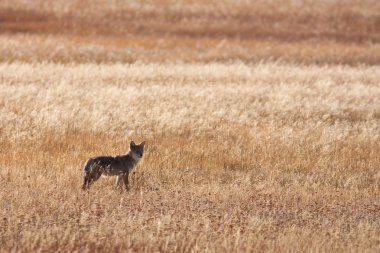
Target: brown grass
[266, 157]
[261, 118]
[191, 31]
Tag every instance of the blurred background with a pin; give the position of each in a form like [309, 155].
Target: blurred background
[300, 31]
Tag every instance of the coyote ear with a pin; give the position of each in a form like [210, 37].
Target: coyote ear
[142, 143]
[132, 144]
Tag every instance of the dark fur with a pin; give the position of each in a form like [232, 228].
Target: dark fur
[119, 166]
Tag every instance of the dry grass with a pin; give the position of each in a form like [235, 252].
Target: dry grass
[190, 31]
[264, 157]
[261, 120]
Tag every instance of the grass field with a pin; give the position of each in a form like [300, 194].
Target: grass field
[262, 124]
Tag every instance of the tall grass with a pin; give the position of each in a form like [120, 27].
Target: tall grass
[263, 157]
[261, 120]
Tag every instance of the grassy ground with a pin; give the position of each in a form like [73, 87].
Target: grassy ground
[261, 121]
[239, 157]
[190, 31]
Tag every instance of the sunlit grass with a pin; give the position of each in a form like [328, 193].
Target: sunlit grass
[264, 157]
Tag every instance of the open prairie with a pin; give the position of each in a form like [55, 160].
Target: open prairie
[262, 124]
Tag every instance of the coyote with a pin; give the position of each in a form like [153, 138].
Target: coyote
[119, 166]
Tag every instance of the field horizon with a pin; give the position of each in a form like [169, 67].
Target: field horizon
[305, 32]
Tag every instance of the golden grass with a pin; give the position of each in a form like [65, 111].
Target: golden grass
[264, 157]
[190, 31]
[79, 49]
[256, 141]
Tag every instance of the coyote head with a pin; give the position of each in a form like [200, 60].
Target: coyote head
[137, 151]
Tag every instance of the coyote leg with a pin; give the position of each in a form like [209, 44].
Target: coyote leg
[126, 181]
[89, 178]
[119, 182]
